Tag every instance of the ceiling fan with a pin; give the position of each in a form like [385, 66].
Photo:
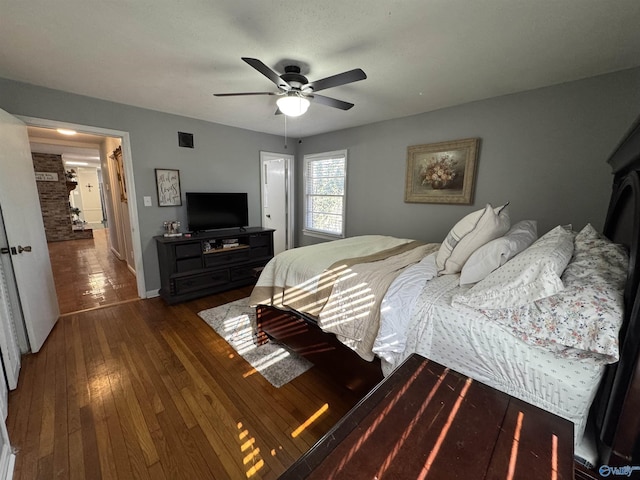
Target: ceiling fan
[296, 92]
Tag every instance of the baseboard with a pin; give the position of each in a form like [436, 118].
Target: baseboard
[116, 253]
[153, 293]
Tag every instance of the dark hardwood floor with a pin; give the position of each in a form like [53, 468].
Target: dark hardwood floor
[144, 390]
[88, 275]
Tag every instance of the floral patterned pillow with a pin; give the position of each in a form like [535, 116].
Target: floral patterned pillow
[582, 320]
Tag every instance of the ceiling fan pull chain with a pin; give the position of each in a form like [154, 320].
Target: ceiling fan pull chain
[285, 131]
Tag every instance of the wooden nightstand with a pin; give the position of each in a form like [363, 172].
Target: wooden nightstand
[425, 421]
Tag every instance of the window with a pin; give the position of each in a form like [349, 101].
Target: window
[325, 176]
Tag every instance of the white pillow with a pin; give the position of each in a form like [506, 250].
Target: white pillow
[469, 234]
[530, 276]
[497, 252]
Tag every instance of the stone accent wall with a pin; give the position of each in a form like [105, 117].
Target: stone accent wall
[54, 198]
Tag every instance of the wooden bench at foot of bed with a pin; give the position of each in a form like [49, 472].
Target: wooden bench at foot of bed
[302, 336]
[425, 421]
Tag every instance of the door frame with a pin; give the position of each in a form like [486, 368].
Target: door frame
[289, 161]
[131, 188]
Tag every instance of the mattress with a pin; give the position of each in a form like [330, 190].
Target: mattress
[417, 316]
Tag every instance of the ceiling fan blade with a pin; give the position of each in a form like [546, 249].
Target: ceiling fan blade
[330, 102]
[267, 72]
[242, 94]
[337, 80]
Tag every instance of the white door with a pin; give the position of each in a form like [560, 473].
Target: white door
[25, 232]
[277, 195]
[90, 192]
[9, 315]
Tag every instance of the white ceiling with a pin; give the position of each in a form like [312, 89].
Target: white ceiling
[80, 147]
[419, 55]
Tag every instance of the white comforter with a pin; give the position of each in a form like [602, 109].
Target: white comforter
[397, 305]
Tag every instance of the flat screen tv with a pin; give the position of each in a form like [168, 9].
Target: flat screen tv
[211, 211]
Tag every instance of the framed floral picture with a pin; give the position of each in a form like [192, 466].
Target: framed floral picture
[442, 172]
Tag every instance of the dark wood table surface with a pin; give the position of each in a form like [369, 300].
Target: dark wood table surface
[426, 421]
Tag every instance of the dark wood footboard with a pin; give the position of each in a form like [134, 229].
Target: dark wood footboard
[303, 336]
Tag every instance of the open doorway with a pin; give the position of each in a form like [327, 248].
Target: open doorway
[87, 225]
[276, 193]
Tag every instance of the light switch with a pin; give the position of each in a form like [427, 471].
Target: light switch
[147, 201]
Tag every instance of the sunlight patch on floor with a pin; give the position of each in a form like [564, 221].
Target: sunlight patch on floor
[310, 420]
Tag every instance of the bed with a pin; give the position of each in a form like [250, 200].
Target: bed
[554, 323]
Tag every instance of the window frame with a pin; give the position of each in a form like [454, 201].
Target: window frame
[315, 232]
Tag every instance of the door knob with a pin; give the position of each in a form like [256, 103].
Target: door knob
[24, 249]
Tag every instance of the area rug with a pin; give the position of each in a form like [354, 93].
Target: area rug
[232, 322]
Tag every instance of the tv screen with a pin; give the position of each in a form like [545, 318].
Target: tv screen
[210, 211]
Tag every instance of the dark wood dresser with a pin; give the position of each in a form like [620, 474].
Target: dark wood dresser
[426, 421]
[203, 264]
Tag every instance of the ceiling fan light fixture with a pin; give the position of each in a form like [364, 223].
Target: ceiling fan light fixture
[293, 105]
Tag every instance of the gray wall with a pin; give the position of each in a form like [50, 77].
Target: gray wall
[224, 158]
[544, 151]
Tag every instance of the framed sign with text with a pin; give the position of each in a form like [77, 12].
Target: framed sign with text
[168, 184]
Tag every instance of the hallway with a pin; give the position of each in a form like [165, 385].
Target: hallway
[88, 275]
